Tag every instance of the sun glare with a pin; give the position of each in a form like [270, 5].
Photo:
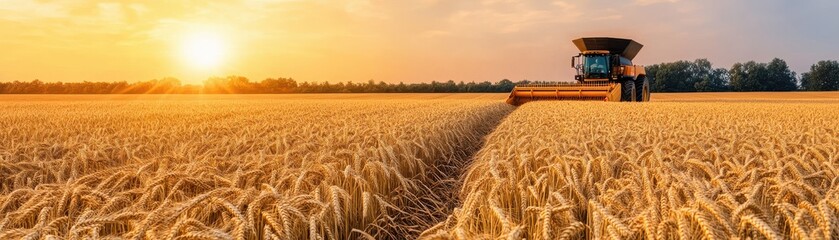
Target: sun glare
[203, 50]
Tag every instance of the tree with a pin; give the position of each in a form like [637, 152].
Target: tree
[684, 76]
[823, 76]
[165, 85]
[753, 76]
[747, 77]
[708, 79]
[277, 85]
[673, 77]
[505, 85]
[240, 84]
[781, 78]
[34, 87]
[230, 84]
[651, 72]
[715, 81]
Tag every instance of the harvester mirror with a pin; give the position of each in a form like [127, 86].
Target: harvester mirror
[575, 60]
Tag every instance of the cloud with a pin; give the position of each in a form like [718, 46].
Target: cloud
[413, 39]
[20, 10]
[510, 16]
[650, 2]
[111, 12]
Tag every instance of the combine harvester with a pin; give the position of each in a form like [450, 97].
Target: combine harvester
[604, 73]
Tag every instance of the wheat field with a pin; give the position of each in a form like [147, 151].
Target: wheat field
[405, 166]
[570, 170]
[780, 97]
[222, 167]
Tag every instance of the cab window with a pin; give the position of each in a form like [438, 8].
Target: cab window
[597, 66]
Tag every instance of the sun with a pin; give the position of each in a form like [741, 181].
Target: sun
[203, 50]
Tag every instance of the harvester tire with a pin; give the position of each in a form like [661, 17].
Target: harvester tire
[628, 92]
[642, 89]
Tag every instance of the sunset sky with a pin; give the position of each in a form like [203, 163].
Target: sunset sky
[391, 41]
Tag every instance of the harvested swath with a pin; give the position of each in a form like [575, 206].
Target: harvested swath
[655, 171]
[233, 168]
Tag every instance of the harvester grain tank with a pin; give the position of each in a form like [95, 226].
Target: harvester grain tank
[604, 73]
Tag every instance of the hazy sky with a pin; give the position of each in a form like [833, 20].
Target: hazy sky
[393, 41]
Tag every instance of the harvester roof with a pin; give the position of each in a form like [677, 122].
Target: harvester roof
[625, 47]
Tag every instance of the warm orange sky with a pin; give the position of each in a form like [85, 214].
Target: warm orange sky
[392, 41]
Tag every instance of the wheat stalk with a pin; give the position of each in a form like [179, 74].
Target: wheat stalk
[759, 225]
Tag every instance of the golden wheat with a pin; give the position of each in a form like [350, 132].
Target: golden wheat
[223, 167]
[383, 167]
[659, 170]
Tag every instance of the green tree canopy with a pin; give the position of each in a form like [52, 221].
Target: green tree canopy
[706, 78]
[685, 76]
[747, 77]
[823, 76]
[680, 76]
[781, 78]
[753, 76]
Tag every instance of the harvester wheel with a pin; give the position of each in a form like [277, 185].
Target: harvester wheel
[628, 91]
[642, 89]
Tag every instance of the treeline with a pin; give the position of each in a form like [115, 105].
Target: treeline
[242, 85]
[701, 76]
[681, 76]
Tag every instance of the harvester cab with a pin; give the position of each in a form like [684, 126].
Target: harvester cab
[604, 73]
